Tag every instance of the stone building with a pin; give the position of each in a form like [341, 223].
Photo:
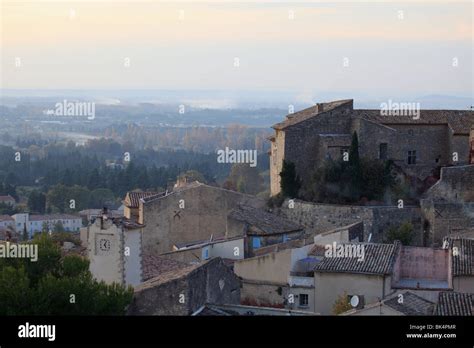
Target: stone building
[182, 291]
[261, 228]
[187, 214]
[416, 143]
[448, 206]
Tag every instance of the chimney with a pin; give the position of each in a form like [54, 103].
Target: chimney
[104, 217]
[319, 107]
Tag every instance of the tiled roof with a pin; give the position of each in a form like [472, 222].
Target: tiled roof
[133, 198]
[156, 266]
[378, 259]
[152, 197]
[317, 250]
[53, 217]
[463, 255]
[459, 120]
[266, 223]
[209, 310]
[98, 212]
[455, 303]
[7, 198]
[305, 114]
[411, 305]
[6, 218]
[130, 224]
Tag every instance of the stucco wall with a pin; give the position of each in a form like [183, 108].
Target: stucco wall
[106, 265]
[328, 286]
[273, 267]
[463, 284]
[423, 263]
[222, 249]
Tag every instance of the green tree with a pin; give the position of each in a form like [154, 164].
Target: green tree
[37, 202]
[101, 197]
[290, 183]
[192, 175]
[57, 285]
[245, 179]
[58, 227]
[403, 233]
[341, 304]
[15, 294]
[25, 235]
[355, 168]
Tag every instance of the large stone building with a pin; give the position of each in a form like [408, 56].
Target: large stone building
[417, 143]
[184, 290]
[190, 213]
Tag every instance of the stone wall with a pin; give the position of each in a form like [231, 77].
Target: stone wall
[318, 218]
[257, 293]
[276, 161]
[301, 140]
[213, 282]
[445, 219]
[455, 185]
[371, 135]
[204, 214]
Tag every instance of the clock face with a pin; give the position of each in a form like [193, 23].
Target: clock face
[104, 244]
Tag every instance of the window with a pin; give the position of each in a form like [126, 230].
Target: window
[205, 254]
[411, 159]
[285, 238]
[256, 242]
[383, 150]
[304, 300]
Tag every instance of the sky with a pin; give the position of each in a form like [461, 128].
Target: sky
[389, 47]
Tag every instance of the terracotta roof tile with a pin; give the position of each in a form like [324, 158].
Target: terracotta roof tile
[463, 258]
[134, 197]
[378, 259]
[267, 223]
[412, 304]
[455, 303]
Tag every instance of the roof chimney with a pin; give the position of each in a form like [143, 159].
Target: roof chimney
[319, 107]
[103, 217]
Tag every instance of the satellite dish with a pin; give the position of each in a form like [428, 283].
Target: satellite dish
[354, 301]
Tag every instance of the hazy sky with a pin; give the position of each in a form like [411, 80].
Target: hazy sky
[195, 45]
